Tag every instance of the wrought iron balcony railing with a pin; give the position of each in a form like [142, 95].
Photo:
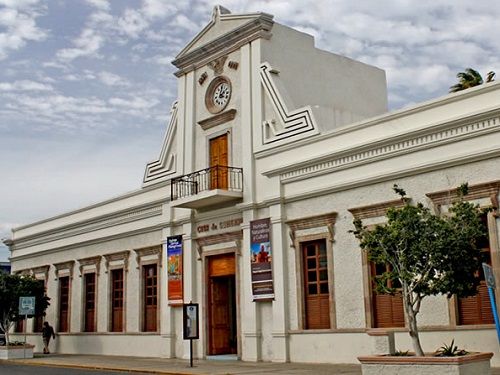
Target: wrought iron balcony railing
[217, 177]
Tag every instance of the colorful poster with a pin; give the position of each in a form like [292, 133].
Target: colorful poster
[261, 259]
[174, 269]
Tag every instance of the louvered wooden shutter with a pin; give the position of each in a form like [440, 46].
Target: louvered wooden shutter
[316, 287]
[476, 309]
[387, 309]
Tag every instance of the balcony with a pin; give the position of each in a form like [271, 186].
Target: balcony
[207, 187]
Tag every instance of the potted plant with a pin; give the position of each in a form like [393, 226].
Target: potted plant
[428, 255]
[11, 288]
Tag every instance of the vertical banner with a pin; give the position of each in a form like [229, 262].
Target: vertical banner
[261, 259]
[174, 269]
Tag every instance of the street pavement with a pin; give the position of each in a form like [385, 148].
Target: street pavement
[99, 364]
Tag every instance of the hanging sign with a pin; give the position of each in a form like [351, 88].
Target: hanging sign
[26, 305]
[261, 259]
[174, 269]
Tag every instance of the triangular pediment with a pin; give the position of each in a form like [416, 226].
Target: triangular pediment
[224, 31]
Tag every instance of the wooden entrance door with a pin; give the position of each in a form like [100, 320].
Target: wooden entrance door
[222, 305]
[219, 162]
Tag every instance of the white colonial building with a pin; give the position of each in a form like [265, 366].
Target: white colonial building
[272, 149]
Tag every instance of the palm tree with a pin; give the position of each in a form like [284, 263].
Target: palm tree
[470, 78]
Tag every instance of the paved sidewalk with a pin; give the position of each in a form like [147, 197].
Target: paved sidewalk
[181, 367]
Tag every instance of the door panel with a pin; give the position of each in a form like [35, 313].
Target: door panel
[222, 305]
[219, 309]
[219, 160]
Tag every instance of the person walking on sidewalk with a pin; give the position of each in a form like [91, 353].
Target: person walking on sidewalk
[47, 334]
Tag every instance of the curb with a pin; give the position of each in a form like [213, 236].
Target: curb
[98, 367]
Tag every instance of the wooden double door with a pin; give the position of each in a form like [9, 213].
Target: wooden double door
[222, 325]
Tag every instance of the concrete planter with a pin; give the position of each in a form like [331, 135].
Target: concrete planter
[16, 352]
[470, 364]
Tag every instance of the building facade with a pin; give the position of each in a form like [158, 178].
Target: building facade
[272, 149]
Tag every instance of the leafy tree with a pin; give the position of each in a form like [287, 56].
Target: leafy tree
[11, 288]
[428, 254]
[470, 78]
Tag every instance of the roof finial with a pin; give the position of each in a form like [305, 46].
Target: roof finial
[218, 10]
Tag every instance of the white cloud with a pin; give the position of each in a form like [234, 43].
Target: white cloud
[162, 60]
[20, 4]
[20, 27]
[87, 44]
[99, 4]
[111, 79]
[25, 85]
[158, 8]
[132, 23]
[135, 103]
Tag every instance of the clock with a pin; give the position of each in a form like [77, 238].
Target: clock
[218, 94]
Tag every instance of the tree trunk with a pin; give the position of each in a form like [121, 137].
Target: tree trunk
[6, 325]
[411, 317]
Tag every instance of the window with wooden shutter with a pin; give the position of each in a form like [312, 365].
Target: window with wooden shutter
[89, 303]
[316, 285]
[38, 320]
[387, 309]
[150, 282]
[477, 309]
[117, 289]
[63, 304]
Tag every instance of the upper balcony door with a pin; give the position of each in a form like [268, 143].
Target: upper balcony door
[218, 157]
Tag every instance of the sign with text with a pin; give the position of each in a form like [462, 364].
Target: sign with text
[261, 259]
[190, 316]
[174, 269]
[26, 305]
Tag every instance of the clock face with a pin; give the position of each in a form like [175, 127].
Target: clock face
[218, 94]
[221, 94]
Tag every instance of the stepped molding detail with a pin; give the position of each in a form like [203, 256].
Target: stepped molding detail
[291, 122]
[160, 169]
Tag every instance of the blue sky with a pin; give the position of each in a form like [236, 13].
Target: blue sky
[86, 85]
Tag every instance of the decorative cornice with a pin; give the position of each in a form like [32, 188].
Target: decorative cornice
[256, 28]
[106, 221]
[63, 266]
[387, 148]
[120, 256]
[91, 261]
[291, 122]
[478, 191]
[393, 175]
[165, 166]
[375, 210]
[44, 270]
[219, 238]
[217, 119]
[147, 251]
[78, 245]
[317, 221]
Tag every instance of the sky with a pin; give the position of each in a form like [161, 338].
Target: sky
[86, 85]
